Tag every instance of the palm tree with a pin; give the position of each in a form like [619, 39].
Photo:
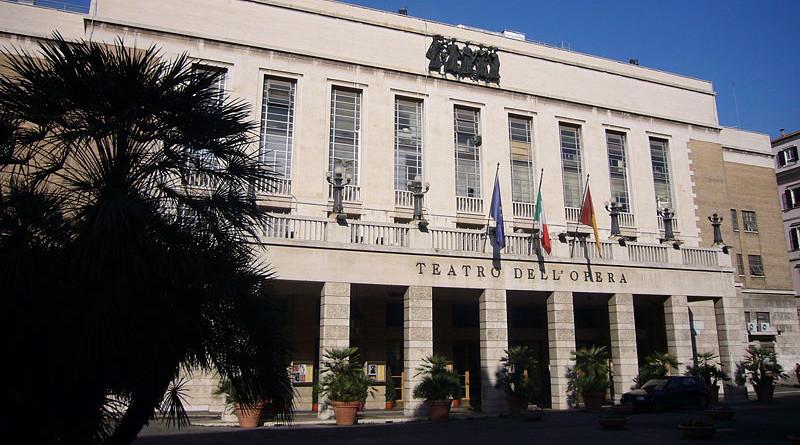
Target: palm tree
[118, 273]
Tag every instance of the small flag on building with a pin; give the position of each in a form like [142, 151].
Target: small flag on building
[539, 217]
[496, 212]
[587, 216]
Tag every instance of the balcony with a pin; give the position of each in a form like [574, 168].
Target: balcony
[469, 205]
[350, 193]
[276, 186]
[523, 209]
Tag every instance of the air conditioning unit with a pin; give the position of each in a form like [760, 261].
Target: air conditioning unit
[751, 327]
[763, 327]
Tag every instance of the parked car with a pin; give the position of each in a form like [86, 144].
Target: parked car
[669, 392]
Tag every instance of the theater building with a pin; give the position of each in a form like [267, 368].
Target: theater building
[359, 107]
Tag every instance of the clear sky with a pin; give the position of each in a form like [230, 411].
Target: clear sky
[749, 49]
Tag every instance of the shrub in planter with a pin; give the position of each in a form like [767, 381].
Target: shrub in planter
[761, 367]
[344, 383]
[657, 366]
[438, 387]
[390, 392]
[707, 369]
[591, 375]
[513, 378]
[248, 414]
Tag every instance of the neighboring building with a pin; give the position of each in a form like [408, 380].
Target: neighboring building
[788, 172]
[341, 88]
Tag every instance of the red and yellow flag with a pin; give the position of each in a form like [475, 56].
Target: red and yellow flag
[587, 217]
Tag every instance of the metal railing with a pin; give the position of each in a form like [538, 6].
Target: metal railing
[458, 239]
[403, 198]
[275, 186]
[379, 234]
[524, 209]
[469, 205]
[627, 220]
[350, 193]
[293, 227]
[647, 253]
[694, 256]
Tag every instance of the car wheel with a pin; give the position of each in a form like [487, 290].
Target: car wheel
[703, 402]
[657, 406]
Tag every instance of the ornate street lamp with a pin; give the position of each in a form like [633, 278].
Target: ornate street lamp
[613, 210]
[716, 221]
[338, 180]
[668, 216]
[418, 190]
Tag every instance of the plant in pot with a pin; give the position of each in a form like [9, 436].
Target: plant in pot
[390, 392]
[591, 376]
[657, 366]
[513, 378]
[344, 383]
[707, 369]
[762, 368]
[248, 414]
[315, 390]
[438, 387]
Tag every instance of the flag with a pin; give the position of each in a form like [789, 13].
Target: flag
[496, 212]
[587, 216]
[539, 217]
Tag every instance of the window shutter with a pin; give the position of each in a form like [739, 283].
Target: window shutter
[795, 240]
[781, 159]
[793, 153]
[787, 197]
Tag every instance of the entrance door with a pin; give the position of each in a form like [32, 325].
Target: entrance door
[466, 357]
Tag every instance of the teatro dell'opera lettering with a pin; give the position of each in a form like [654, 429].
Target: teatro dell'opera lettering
[519, 273]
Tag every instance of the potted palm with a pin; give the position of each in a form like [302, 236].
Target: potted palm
[438, 387]
[248, 414]
[706, 368]
[344, 383]
[513, 378]
[762, 368]
[591, 376]
[657, 366]
[390, 392]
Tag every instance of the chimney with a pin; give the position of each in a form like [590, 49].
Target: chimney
[403, 11]
[634, 62]
[783, 132]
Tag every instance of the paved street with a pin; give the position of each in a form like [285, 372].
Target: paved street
[754, 424]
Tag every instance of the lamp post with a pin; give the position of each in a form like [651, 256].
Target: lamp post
[337, 179]
[613, 210]
[418, 190]
[716, 222]
[667, 215]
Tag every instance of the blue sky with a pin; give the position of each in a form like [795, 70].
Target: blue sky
[748, 48]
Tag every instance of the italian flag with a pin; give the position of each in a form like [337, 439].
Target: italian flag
[539, 217]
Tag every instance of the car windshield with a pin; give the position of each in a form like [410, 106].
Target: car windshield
[655, 384]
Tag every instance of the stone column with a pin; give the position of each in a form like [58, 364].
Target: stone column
[561, 341]
[623, 342]
[731, 330]
[334, 323]
[417, 342]
[679, 334]
[494, 342]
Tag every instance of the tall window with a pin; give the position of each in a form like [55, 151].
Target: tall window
[571, 164]
[787, 156]
[220, 79]
[345, 131]
[749, 221]
[467, 134]
[202, 158]
[407, 141]
[522, 175]
[618, 169]
[734, 220]
[756, 266]
[740, 264]
[792, 197]
[659, 158]
[277, 125]
[794, 238]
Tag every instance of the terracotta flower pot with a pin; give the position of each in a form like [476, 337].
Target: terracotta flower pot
[345, 412]
[389, 405]
[249, 416]
[314, 407]
[439, 410]
[516, 405]
[593, 401]
[456, 403]
[765, 392]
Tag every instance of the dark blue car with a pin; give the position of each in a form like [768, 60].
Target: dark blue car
[668, 393]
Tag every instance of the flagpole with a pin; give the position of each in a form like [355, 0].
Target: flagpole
[489, 215]
[580, 216]
[538, 192]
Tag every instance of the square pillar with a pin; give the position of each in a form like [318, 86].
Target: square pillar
[561, 341]
[622, 325]
[494, 342]
[731, 331]
[334, 323]
[417, 342]
[679, 334]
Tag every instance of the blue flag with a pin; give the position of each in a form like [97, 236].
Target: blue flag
[496, 212]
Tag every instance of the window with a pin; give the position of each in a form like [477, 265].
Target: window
[794, 238]
[407, 141]
[345, 131]
[221, 77]
[659, 159]
[618, 169]
[749, 221]
[522, 174]
[757, 318]
[571, 164]
[202, 158]
[791, 197]
[735, 220]
[787, 156]
[467, 152]
[277, 125]
[740, 264]
[756, 266]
